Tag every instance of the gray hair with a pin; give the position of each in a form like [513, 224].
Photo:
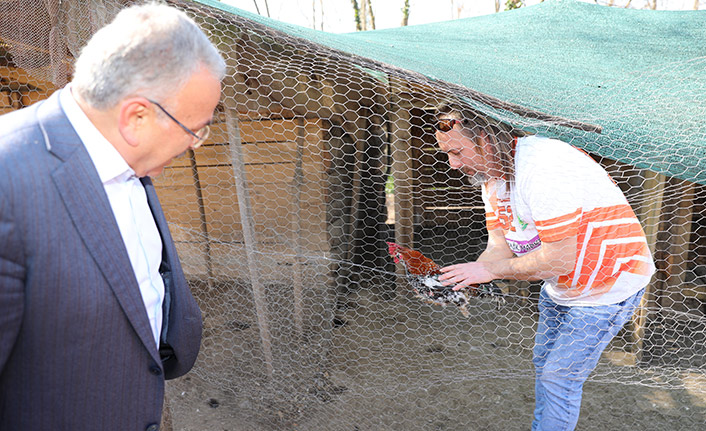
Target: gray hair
[149, 50]
[500, 135]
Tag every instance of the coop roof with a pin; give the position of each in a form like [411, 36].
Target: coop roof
[639, 75]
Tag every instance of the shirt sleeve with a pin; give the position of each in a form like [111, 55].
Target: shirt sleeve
[553, 187]
[492, 221]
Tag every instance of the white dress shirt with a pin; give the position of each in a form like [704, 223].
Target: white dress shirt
[128, 200]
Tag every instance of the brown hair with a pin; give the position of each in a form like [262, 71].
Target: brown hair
[501, 135]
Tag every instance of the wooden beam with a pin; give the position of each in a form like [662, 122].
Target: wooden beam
[680, 244]
[241, 184]
[202, 216]
[649, 213]
[402, 170]
[403, 174]
[298, 278]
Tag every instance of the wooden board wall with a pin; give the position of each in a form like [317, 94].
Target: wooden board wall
[270, 154]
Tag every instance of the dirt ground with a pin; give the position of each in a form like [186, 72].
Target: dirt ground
[398, 364]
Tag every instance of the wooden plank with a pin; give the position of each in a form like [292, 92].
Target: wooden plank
[179, 205]
[181, 162]
[192, 257]
[216, 152]
[456, 195]
[271, 207]
[261, 153]
[283, 130]
[257, 174]
[16, 74]
[230, 260]
[173, 176]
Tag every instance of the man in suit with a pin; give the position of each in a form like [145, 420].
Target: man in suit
[95, 311]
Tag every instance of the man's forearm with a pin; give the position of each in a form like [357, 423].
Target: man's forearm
[550, 260]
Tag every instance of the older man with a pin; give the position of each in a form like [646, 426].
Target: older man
[95, 311]
[552, 214]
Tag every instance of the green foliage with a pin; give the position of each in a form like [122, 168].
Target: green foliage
[514, 4]
[390, 184]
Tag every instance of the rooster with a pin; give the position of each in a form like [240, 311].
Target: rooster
[423, 275]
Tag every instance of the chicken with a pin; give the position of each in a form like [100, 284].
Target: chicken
[423, 275]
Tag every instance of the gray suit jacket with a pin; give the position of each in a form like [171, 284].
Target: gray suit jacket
[76, 349]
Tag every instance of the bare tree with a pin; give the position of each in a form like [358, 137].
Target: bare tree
[363, 15]
[314, 13]
[370, 15]
[696, 4]
[356, 16]
[497, 6]
[405, 13]
[652, 4]
[267, 8]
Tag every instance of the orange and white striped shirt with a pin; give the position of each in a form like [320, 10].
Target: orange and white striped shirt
[558, 192]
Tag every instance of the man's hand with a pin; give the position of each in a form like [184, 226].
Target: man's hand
[496, 262]
[466, 274]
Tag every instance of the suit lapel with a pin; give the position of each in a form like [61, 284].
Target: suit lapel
[84, 197]
[168, 254]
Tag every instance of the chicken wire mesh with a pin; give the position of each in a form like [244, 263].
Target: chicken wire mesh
[317, 158]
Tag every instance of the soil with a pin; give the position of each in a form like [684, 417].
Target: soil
[386, 361]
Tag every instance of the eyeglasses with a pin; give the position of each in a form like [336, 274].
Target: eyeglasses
[199, 136]
[446, 124]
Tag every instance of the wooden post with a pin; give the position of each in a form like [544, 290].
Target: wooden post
[354, 216]
[402, 172]
[202, 216]
[649, 214]
[241, 184]
[680, 244]
[298, 290]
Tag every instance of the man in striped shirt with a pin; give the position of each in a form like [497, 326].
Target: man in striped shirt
[552, 214]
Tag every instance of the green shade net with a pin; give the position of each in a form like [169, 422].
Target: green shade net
[639, 75]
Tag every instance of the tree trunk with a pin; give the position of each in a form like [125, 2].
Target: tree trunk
[356, 16]
[405, 13]
[371, 15]
[364, 14]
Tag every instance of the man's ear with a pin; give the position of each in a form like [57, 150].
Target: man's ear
[133, 116]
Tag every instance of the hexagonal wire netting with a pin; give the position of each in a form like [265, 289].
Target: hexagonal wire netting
[317, 158]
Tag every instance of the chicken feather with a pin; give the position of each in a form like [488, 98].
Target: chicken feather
[423, 275]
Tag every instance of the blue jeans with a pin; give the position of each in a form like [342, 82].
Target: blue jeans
[568, 345]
